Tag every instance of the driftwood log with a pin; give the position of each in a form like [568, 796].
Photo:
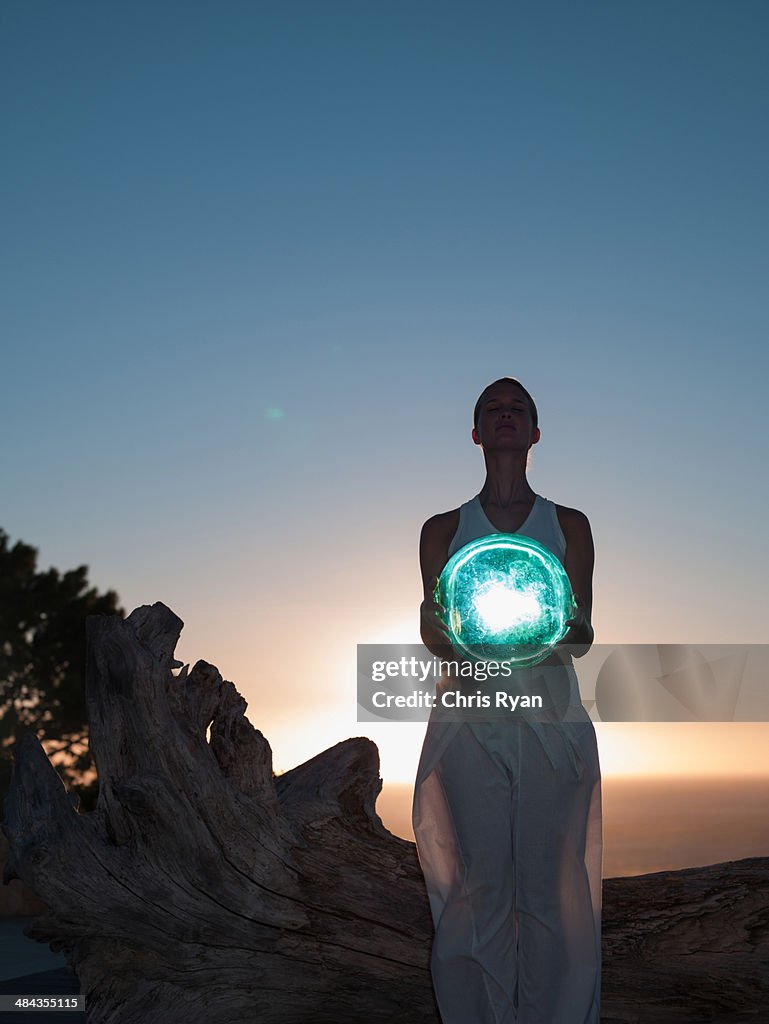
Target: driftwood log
[201, 888]
[687, 947]
[204, 889]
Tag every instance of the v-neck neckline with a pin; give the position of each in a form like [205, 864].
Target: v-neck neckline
[523, 524]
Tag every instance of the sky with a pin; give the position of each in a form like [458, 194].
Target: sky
[259, 259]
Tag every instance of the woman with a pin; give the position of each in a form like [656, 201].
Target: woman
[507, 810]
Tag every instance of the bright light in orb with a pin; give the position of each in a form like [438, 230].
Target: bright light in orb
[501, 606]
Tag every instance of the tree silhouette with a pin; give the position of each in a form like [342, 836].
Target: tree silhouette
[42, 663]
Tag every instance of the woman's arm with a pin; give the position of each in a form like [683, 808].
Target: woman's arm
[433, 554]
[579, 563]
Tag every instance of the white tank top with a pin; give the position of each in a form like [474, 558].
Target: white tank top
[541, 525]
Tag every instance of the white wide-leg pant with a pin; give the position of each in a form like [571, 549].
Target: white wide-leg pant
[507, 818]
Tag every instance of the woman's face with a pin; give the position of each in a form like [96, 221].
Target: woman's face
[504, 420]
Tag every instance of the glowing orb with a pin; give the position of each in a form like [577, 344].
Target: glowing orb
[506, 598]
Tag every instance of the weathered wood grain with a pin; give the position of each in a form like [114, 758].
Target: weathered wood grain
[201, 888]
[688, 946]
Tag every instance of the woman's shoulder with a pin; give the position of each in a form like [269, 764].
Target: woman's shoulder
[574, 523]
[441, 525]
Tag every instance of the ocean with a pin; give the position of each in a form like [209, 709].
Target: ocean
[657, 823]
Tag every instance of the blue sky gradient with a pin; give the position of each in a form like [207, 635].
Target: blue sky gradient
[260, 258]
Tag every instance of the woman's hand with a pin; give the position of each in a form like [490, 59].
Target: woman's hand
[435, 633]
[579, 634]
[432, 619]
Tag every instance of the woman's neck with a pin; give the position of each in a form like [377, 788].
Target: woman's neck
[506, 482]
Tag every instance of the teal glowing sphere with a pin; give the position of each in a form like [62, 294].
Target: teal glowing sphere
[506, 598]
